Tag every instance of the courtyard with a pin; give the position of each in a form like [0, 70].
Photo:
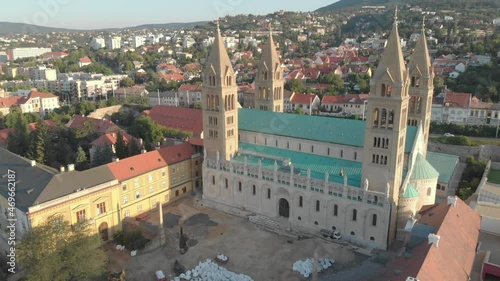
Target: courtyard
[252, 251]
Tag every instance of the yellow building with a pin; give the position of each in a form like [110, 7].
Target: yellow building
[101, 197]
[159, 176]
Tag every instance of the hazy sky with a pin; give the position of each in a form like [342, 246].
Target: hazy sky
[90, 14]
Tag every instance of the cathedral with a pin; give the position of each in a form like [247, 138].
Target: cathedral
[364, 179]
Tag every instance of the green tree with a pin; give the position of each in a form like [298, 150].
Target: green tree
[299, 110]
[295, 86]
[39, 139]
[55, 251]
[146, 129]
[133, 148]
[2, 121]
[81, 158]
[128, 66]
[127, 82]
[18, 139]
[120, 147]
[103, 155]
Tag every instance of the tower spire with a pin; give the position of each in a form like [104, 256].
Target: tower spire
[392, 60]
[420, 56]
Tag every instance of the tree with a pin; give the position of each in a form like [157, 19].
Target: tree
[295, 86]
[18, 139]
[55, 251]
[103, 155]
[81, 158]
[2, 121]
[120, 147]
[146, 129]
[38, 143]
[133, 148]
[299, 110]
[127, 82]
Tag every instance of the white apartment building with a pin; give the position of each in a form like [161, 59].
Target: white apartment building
[19, 53]
[188, 42]
[137, 41]
[114, 43]
[207, 42]
[97, 43]
[230, 42]
[42, 73]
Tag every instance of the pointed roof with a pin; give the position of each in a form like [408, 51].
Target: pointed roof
[423, 170]
[269, 54]
[420, 57]
[219, 60]
[392, 60]
[410, 192]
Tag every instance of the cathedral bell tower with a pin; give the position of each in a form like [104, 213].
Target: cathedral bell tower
[269, 82]
[220, 110]
[421, 75]
[387, 114]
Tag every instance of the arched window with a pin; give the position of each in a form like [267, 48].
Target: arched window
[317, 205]
[383, 117]
[354, 215]
[418, 108]
[374, 220]
[213, 179]
[376, 117]
[212, 102]
[412, 104]
[413, 81]
[227, 183]
[389, 90]
[301, 201]
[217, 104]
[383, 90]
[355, 155]
[225, 103]
[429, 191]
[372, 239]
[391, 119]
[352, 233]
[375, 199]
[232, 102]
[335, 210]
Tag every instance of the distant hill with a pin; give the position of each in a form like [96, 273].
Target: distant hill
[341, 4]
[435, 4]
[12, 28]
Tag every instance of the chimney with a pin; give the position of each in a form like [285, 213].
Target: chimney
[115, 159]
[158, 146]
[33, 163]
[71, 167]
[140, 141]
[452, 200]
[434, 239]
[62, 169]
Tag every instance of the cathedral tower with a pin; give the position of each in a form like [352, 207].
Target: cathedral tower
[269, 81]
[385, 131]
[220, 110]
[421, 90]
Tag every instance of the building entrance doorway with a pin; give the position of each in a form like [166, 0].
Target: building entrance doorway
[103, 231]
[284, 208]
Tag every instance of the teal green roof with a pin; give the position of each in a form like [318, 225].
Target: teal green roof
[410, 192]
[422, 170]
[444, 163]
[318, 128]
[303, 161]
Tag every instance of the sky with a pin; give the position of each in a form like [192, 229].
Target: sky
[95, 14]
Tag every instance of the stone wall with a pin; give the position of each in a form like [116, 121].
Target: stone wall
[484, 151]
[495, 165]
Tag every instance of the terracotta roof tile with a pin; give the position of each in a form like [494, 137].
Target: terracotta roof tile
[453, 258]
[184, 119]
[303, 98]
[189, 87]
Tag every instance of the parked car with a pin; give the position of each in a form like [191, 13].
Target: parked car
[448, 135]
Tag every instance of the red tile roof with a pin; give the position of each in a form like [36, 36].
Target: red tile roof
[35, 94]
[453, 258]
[11, 101]
[184, 119]
[303, 98]
[150, 161]
[189, 87]
[85, 60]
[111, 138]
[332, 99]
[100, 125]
[458, 99]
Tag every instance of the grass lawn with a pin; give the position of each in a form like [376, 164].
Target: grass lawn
[494, 176]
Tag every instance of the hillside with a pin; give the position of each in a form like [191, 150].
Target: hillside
[341, 4]
[12, 28]
[441, 4]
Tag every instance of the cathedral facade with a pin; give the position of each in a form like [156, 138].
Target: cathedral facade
[361, 178]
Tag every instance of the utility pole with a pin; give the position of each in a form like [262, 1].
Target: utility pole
[159, 102]
[498, 124]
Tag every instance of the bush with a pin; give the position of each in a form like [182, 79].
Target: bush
[463, 130]
[133, 240]
[459, 140]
